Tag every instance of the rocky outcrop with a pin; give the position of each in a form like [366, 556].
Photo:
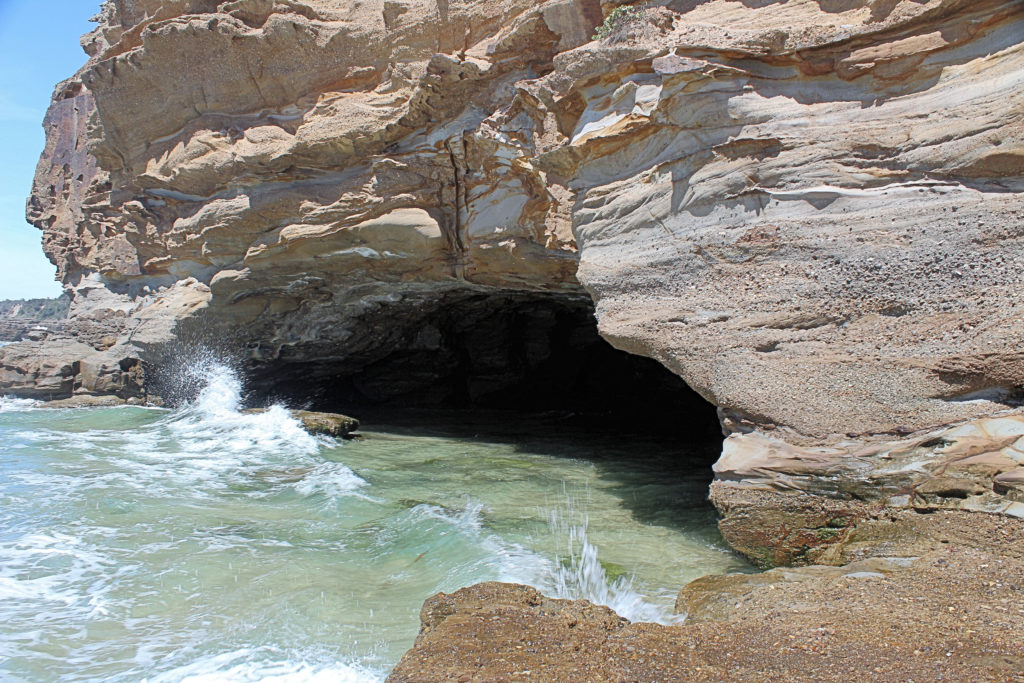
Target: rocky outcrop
[335, 188]
[808, 210]
[784, 504]
[100, 350]
[948, 606]
[13, 329]
[31, 318]
[816, 225]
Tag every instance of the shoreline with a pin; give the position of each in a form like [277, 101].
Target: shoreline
[909, 574]
[948, 604]
[796, 229]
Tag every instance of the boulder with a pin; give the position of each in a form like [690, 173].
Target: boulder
[330, 424]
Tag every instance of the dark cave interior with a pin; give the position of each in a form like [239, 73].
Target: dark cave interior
[518, 352]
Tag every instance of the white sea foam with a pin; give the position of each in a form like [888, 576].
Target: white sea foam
[333, 480]
[510, 562]
[61, 576]
[210, 444]
[583, 576]
[578, 575]
[467, 519]
[213, 423]
[9, 404]
[267, 665]
[214, 435]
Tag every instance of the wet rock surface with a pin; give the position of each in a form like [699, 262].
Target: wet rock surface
[330, 424]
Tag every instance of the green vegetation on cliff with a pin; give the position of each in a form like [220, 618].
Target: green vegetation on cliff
[617, 18]
[36, 309]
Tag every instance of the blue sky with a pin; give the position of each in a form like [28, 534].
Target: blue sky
[40, 49]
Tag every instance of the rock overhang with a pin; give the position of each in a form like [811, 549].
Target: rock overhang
[811, 215]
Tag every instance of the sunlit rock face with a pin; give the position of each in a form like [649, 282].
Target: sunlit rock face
[306, 164]
[810, 210]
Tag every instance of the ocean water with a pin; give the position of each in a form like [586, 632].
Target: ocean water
[207, 544]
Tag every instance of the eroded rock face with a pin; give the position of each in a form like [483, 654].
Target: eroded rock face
[809, 213]
[310, 165]
[14, 329]
[809, 210]
[784, 504]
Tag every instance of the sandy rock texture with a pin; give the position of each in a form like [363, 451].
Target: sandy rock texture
[948, 608]
[784, 504]
[810, 210]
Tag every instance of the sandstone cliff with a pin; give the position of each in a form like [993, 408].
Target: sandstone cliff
[810, 210]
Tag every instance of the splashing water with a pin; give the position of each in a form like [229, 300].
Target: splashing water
[9, 404]
[265, 665]
[208, 543]
[214, 424]
[581, 575]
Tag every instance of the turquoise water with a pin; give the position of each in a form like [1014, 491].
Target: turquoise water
[205, 544]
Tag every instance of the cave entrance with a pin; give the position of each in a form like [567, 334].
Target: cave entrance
[524, 371]
[510, 352]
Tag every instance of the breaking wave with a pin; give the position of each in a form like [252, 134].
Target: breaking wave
[210, 543]
[578, 574]
[10, 405]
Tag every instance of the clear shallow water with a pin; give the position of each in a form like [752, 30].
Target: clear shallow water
[206, 544]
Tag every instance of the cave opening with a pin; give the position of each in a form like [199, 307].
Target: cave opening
[497, 358]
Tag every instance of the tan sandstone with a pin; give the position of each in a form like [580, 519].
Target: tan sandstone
[810, 210]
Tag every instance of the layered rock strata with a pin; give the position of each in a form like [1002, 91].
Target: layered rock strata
[811, 211]
[784, 504]
[13, 329]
